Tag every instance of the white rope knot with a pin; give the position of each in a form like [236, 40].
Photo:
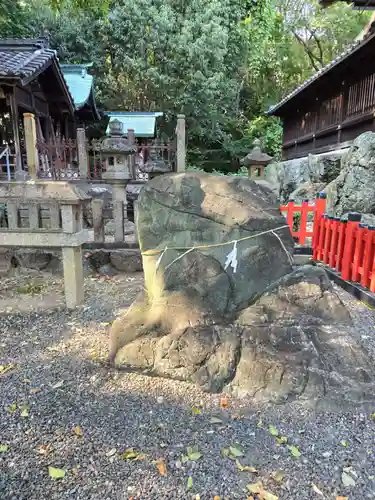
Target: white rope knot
[231, 259]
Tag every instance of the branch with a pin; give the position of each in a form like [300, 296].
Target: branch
[315, 61]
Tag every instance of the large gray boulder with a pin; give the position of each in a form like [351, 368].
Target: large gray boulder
[354, 188]
[292, 343]
[312, 170]
[259, 329]
[201, 216]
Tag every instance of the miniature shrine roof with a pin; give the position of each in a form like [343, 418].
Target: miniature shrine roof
[143, 123]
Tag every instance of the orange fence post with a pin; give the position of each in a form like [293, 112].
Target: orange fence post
[303, 227]
[357, 266]
[327, 240]
[341, 243]
[368, 256]
[320, 207]
[332, 258]
[354, 219]
[289, 215]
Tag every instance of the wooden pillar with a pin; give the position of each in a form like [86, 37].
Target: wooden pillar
[82, 155]
[181, 143]
[30, 143]
[16, 133]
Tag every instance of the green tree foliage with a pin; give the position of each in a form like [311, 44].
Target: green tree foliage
[221, 62]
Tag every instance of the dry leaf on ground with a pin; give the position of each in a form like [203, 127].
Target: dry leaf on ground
[162, 467]
[273, 431]
[278, 476]
[131, 454]
[316, 489]
[6, 368]
[246, 468]
[77, 431]
[4, 448]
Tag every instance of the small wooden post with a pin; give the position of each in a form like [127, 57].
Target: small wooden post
[72, 257]
[83, 163]
[30, 143]
[181, 143]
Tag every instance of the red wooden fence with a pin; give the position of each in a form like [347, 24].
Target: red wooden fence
[346, 246]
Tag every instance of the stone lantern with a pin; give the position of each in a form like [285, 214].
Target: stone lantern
[155, 165]
[255, 161]
[118, 154]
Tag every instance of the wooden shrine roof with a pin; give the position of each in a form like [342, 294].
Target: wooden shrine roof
[24, 59]
[351, 52]
[364, 4]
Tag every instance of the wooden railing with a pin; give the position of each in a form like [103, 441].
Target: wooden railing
[344, 245]
[63, 229]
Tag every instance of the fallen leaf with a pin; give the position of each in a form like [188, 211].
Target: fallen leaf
[281, 439]
[342, 498]
[4, 448]
[195, 456]
[225, 452]
[190, 483]
[131, 454]
[266, 495]
[224, 403]
[255, 488]
[294, 451]
[6, 368]
[24, 411]
[250, 498]
[77, 431]
[344, 443]
[195, 411]
[235, 452]
[35, 390]
[58, 385]
[56, 473]
[27, 380]
[44, 449]
[372, 416]
[347, 479]
[192, 454]
[215, 420]
[316, 489]
[260, 424]
[246, 468]
[12, 408]
[216, 497]
[162, 467]
[273, 431]
[111, 452]
[278, 476]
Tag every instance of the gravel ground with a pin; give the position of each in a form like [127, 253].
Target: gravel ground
[61, 408]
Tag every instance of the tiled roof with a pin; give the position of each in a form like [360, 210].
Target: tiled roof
[24, 58]
[143, 123]
[351, 50]
[370, 4]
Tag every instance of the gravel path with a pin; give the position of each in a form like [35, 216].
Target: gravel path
[61, 408]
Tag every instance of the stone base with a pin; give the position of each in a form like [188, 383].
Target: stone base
[293, 343]
[98, 261]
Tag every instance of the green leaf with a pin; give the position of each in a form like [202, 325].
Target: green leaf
[190, 483]
[4, 448]
[12, 408]
[294, 451]
[225, 452]
[235, 452]
[131, 454]
[24, 411]
[281, 439]
[195, 411]
[56, 473]
[278, 476]
[260, 424]
[344, 443]
[273, 431]
[195, 456]
[246, 468]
